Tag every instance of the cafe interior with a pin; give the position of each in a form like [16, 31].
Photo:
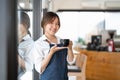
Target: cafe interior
[92, 25]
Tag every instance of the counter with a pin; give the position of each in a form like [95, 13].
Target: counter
[102, 65]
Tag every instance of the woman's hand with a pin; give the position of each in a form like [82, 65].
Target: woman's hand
[56, 48]
[70, 45]
[70, 52]
[21, 62]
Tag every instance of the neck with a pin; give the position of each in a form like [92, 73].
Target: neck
[21, 36]
[52, 38]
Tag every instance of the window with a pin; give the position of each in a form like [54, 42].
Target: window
[75, 25]
[112, 21]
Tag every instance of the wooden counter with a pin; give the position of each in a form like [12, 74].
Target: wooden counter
[102, 65]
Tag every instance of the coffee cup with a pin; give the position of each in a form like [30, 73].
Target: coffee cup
[64, 42]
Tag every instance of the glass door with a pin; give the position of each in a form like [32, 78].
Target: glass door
[25, 39]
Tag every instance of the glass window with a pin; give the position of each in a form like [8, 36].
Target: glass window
[80, 25]
[112, 21]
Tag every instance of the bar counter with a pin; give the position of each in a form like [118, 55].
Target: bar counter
[102, 65]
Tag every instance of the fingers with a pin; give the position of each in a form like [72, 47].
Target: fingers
[60, 48]
[70, 43]
[56, 48]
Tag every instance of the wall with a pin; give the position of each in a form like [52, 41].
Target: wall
[8, 66]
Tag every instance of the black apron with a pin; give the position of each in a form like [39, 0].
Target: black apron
[57, 67]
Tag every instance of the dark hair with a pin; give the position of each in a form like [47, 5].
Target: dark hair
[25, 20]
[49, 17]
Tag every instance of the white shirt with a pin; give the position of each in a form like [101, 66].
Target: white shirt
[25, 50]
[42, 49]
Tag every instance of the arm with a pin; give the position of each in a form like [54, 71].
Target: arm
[25, 57]
[70, 57]
[21, 62]
[49, 56]
[41, 62]
[25, 64]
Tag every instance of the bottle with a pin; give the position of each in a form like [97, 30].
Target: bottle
[111, 47]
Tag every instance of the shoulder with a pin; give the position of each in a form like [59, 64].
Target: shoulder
[41, 42]
[27, 42]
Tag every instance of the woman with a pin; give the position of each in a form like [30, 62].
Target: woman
[51, 58]
[25, 47]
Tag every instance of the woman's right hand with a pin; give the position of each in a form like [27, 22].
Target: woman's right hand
[56, 48]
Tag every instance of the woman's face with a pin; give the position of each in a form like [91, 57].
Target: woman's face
[52, 28]
[21, 31]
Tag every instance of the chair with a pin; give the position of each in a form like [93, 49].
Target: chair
[81, 61]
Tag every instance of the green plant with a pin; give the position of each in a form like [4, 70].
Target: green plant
[81, 41]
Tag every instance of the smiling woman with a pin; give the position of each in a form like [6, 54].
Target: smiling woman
[28, 13]
[52, 57]
[25, 46]
[76, 24]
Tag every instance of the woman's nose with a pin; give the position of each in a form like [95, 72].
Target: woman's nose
[54, 26]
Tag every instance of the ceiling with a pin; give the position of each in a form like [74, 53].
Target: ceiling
[86, 4]
[55, 5]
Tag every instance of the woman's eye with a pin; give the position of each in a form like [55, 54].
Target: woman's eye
[52, 23]
[57, 24]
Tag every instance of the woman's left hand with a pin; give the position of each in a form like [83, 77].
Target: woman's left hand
[70, 45]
